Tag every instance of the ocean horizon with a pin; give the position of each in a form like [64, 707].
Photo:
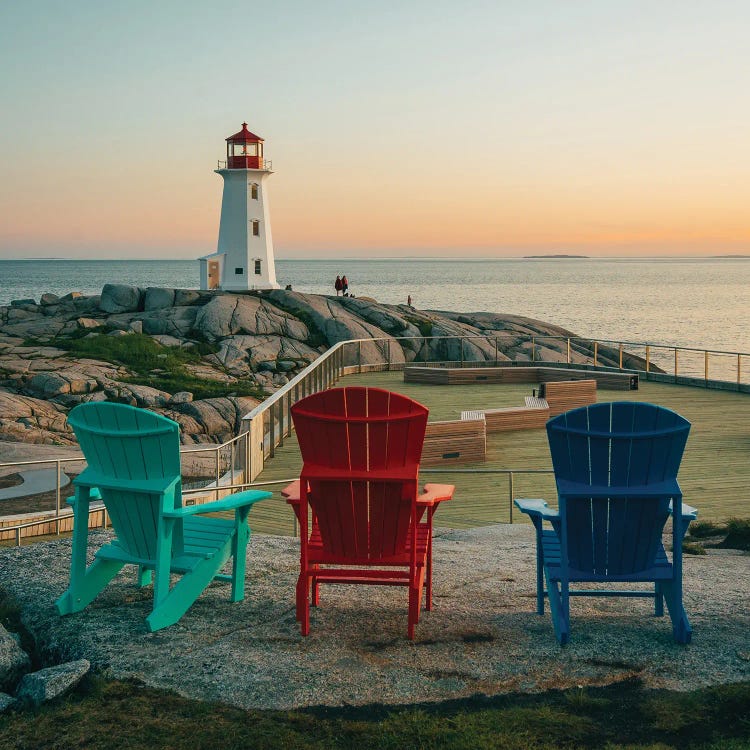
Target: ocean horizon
[687, 301]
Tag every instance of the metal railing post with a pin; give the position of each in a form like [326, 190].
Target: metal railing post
[705, 366]
[271, 434]
[495, 351]
[621, 355]
[648, 358]
[568, 351]
[739, 370]
[359, 356]
[461, 341]
[218, 474]
[675, 363]
[596, 354]
[533, 348]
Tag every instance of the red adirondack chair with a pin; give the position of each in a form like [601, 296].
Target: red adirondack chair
[368, 524]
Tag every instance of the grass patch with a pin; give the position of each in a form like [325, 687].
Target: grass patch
[199, 387]
[693, 548]
[106, 714]
[732, 534]
[158, 366]
[136, 351]
[738, 534]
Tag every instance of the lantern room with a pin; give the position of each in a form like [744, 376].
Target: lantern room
[245, 150]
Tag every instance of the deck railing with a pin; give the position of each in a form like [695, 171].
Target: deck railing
[239, 461]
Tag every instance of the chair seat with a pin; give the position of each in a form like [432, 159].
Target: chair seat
[203, 538]
[660, 571]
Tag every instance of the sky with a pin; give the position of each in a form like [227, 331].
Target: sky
[404, 128]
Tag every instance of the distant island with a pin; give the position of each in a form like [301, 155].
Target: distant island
[737, 255]
[556, 255]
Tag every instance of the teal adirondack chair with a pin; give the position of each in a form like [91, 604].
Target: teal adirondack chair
[133, 461]
[616, 473]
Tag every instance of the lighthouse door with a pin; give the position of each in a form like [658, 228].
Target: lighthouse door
[213, 274]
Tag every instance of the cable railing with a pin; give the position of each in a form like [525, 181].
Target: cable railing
[238, 462]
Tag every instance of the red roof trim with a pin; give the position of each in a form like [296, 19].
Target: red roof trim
[245, 136]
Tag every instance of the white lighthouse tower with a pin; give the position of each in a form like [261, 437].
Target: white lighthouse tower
[244, 256]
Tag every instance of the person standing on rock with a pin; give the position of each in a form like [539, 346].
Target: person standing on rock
[408, 301]
[344, 285]
[337, 285]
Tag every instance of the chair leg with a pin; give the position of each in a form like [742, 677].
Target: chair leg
[539, 568]
[239, 559]
[315, 586]
[559, 611]
[681, 630]
[428, 584]
[413, 611]
[83, 591]
[145, 576]
[171, 606]
[658, 600]
[303, 603]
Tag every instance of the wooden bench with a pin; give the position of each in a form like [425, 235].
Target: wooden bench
[527, 417]
[623, 381]
[564, 395]
[454, 441]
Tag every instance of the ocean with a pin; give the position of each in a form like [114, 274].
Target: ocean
[696, 302]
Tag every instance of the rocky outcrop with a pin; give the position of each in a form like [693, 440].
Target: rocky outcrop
[251, 342]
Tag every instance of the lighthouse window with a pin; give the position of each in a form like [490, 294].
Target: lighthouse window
[257, 267]
[254, 191]
[239, 271]
[245, 149]
[256, 228]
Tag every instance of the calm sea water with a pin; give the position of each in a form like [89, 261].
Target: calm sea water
[690, 302]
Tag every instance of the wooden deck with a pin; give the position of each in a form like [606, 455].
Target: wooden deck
[715, 473]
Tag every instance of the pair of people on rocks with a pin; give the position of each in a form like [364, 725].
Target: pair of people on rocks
[341, 285]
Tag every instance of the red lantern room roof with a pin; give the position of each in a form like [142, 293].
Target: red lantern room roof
[244, 136]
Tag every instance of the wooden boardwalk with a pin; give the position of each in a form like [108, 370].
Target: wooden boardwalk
[715, 473]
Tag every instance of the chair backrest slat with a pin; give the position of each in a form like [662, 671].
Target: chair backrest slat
[123, 443]
[344, 432]
[627, 447]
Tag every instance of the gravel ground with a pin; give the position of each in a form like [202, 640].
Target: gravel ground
[482, 635]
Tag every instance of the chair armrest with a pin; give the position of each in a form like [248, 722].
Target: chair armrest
[239, 500]
[291, 493]
[689, 513]
[435, 493]
[94, 494]
[536, 509]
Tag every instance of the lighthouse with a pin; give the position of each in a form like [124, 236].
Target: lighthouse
[244, 255]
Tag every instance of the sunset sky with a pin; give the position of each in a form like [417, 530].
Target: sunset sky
[404, 128]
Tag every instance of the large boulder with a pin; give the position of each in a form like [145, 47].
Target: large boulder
[217, 418]
[227, 315]
[119, 298]
[333, 323]
[14, 661]
[244, 353]
[158, 298]
[176, 321]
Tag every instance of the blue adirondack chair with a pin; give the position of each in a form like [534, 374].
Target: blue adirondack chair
[133, 461]
[616, 473]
